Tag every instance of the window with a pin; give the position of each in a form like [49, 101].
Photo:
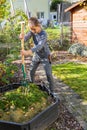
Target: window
[40, 15]
[54, 17]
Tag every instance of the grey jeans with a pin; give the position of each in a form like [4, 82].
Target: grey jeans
[47, 67]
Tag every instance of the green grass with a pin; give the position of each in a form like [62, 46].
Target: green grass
[53, 33]
[74, 75]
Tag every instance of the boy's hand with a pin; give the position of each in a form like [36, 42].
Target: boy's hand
[29, 52]
[21, 36]
[26, 53]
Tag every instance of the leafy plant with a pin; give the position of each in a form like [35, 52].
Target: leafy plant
[26, 106]
[84, 4]
[54, 40]
[7, 73]
[2, 8]
[54, 4]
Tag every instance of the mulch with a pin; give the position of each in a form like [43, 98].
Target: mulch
[65, 56]
[65, 120]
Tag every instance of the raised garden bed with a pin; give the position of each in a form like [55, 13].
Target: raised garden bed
[40, 121]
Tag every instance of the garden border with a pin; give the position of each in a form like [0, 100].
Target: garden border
[40, 121]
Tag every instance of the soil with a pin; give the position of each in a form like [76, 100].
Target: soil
[64, 56]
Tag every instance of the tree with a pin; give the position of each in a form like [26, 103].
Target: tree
[2, 2]
[84, 3]
[2, 8]
[54, 4]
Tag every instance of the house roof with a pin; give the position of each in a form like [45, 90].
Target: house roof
[74, 5]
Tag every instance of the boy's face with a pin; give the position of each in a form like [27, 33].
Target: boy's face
[33, 28]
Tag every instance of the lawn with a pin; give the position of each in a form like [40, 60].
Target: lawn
[74, 75]
[54, 33]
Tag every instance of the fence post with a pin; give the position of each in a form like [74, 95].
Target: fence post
[60, 21]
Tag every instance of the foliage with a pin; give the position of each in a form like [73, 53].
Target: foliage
[2, 2]
[54, 39]
[12, 28]
[53, 33]
[78, 49]
[84, 3]
[7, 73]
[30, 104]
[9, 33]
[54, 4]
[74, 75]
[11, 25]
[2, 8]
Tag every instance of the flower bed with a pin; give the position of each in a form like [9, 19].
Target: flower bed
[26, 108]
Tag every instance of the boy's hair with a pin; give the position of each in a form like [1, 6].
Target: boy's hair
[34, 21]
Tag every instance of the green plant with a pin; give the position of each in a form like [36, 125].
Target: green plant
[2, 8]
[15, 104]
[54, 40]
[9, 32]
[54, 4]
[7, 73]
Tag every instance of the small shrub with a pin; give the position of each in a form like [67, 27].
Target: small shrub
[76, 49]
[7, 73]
[84, 51]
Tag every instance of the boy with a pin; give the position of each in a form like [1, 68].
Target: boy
[41, 50]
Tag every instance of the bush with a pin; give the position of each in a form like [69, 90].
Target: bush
[54, 40]
[84, 51]
[7, 73]
[78, 49]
